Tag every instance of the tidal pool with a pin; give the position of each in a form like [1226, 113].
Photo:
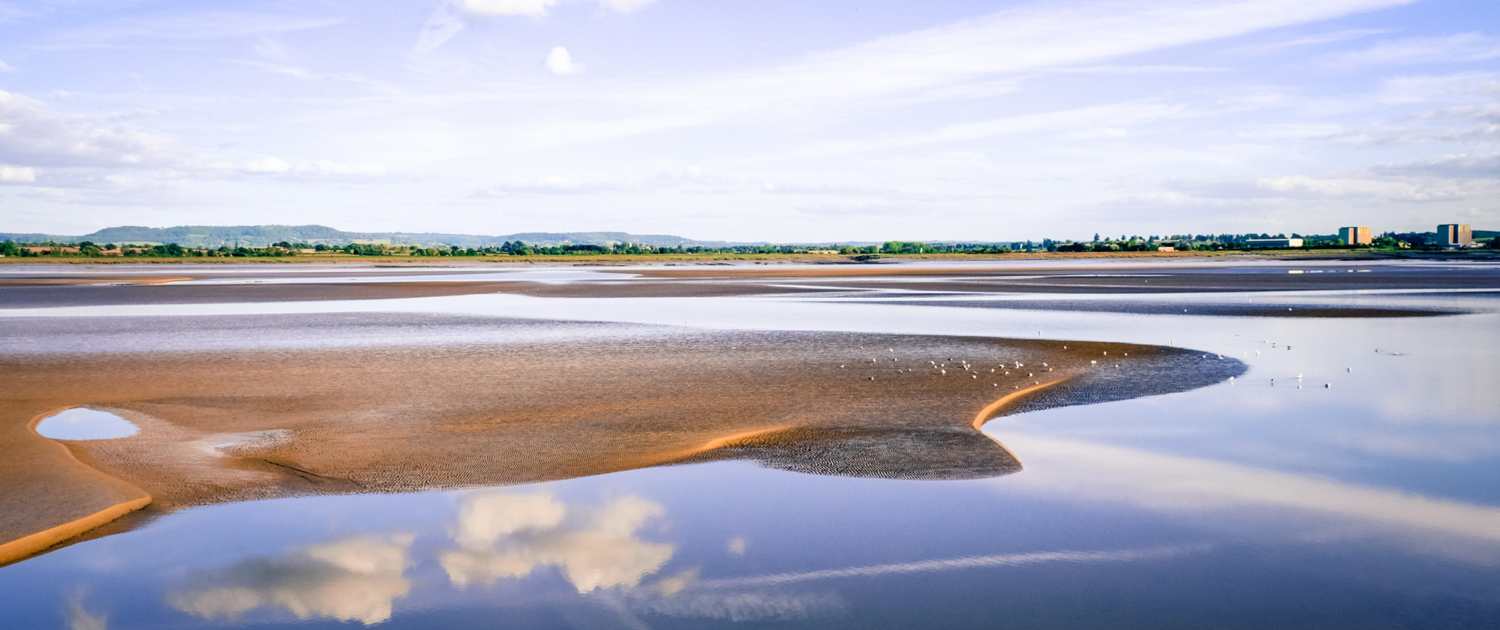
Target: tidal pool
[82, 423]
[1268, 502]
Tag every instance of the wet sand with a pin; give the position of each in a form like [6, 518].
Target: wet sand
[253, 425]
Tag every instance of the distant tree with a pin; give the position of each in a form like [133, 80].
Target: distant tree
[9, 248]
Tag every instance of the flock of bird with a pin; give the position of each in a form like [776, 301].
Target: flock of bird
[965, 366]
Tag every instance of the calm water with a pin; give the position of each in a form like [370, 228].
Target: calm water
[1363, 495]
[82, 423]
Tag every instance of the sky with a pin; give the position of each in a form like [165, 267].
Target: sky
[751, 120]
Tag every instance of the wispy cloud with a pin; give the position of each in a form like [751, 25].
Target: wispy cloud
[201, 26]
[1461, 48]
[1172, 483]
[1319, 39]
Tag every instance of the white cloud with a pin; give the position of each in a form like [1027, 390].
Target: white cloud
[558, 185]
[35, 135]
[197, 26]
[1024, 39]
[267, 165]
[355, 579]
[502, 535]
[537, 8]
[324, 167]
[1313, 40]
[489, 8]
[274, 165]
[17, 174]
[561, 63]
[1466, 47]
[79, 618]
[1449, 166]
[5, 67]
[486, 518]
[449, 19]
[1421, 189]
[625, 6]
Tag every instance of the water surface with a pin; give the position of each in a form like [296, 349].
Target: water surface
[1345, 481]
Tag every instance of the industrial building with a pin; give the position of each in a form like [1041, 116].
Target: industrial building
[1356, 236]
[1455, 235]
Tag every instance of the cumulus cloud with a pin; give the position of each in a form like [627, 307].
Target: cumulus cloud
[355, 579]
[561, 63]
[35, 135]
[502, 535]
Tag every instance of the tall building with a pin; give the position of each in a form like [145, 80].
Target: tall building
[1455, 235]
[1355, 236]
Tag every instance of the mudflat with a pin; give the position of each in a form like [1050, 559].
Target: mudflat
[218, 427]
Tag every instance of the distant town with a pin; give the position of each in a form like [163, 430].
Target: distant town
[250, 242]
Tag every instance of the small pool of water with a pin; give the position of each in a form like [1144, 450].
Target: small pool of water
[80, 423]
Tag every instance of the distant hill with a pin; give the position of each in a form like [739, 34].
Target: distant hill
[262, 235]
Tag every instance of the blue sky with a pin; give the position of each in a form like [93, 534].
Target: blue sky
[753, 120]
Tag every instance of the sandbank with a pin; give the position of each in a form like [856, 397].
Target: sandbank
[253, 425]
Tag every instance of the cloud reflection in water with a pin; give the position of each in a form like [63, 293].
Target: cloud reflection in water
[504, 535]
[354, 579]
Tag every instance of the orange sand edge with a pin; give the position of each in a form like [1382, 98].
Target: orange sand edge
[989, 410]
[40, 541]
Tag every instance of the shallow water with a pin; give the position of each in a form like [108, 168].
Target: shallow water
[81, 423]
[1360, 495]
